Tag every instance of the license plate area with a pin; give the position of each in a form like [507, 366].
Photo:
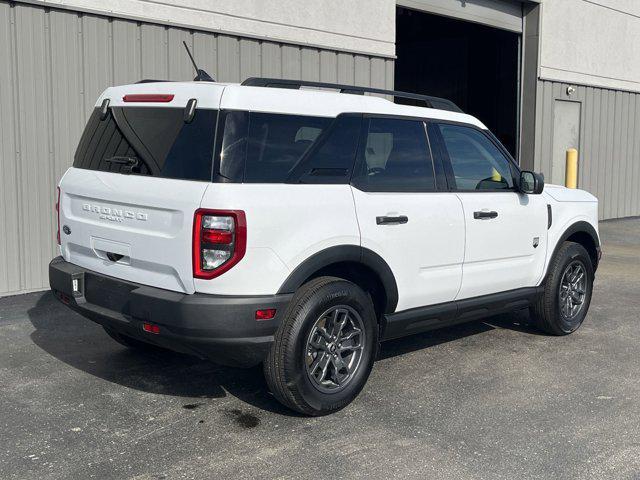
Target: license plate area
[108, 293]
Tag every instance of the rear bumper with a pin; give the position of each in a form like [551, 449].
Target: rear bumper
[219, 328]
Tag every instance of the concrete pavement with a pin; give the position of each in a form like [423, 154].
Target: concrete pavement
[487, 400]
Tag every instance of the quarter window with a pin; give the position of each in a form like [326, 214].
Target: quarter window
[331, 158]
[265, 147]
[476, 161]
[277, 142]
[394, 156]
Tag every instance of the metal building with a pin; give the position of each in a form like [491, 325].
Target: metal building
[543, 84]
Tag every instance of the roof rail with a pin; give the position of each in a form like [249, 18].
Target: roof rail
[151, 80]
[431, 102]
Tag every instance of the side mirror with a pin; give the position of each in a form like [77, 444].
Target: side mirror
[531, 182]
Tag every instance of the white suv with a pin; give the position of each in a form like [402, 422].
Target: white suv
[299, 227]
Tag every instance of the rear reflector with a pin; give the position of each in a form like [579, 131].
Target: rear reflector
[265, 314]
[151, 328]
[148, 97]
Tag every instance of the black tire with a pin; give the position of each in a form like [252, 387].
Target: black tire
[547, 311]
[288, 362]
[131, 343]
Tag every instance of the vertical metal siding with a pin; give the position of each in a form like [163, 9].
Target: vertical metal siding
[55, 63]
[9, 157]
[609, 154]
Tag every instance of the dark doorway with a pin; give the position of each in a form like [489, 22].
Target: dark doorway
[473, 65]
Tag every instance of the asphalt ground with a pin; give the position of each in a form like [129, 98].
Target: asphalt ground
[495, 399]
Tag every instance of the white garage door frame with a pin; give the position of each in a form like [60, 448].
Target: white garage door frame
[503, 14]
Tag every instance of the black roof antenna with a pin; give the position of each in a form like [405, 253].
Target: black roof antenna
[201, 75]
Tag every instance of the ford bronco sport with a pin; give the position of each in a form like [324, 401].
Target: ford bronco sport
[299, 227]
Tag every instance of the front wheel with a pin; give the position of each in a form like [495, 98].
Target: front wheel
[562, 307]
[324, 349]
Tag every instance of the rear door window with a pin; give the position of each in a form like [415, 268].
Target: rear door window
[149, 141]
[394, 155]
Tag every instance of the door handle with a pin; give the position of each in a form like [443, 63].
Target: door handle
[484, 215]
[392, 220]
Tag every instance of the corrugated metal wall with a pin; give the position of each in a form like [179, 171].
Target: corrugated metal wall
[609, 153]
[55, 63]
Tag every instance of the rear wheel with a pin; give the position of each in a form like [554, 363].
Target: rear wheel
[562, 307]
[324, 349]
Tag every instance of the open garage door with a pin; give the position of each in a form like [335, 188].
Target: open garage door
[504, 14]
[474, 65]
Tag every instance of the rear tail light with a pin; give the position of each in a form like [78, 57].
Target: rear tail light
[219, 241]
[58, 215]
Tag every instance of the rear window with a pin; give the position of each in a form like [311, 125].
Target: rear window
[149, 141]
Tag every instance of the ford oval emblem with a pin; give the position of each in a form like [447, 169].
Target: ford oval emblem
[66, 230]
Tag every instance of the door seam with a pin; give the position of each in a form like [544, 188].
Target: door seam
[464, 247]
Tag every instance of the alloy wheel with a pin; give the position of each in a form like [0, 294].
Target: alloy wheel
[573, 288]
[334, 348]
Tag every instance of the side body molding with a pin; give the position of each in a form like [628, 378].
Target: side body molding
[345, 253]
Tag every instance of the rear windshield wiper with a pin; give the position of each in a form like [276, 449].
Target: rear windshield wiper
[128, 164]
[131, 161]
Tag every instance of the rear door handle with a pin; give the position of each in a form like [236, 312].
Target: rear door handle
[392, 220]
[484, 215]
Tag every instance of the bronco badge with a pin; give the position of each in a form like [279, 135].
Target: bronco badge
[115, 214]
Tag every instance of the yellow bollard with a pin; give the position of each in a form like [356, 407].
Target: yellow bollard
[571, 175]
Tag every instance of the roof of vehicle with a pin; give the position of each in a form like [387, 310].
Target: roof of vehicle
[234, 96]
